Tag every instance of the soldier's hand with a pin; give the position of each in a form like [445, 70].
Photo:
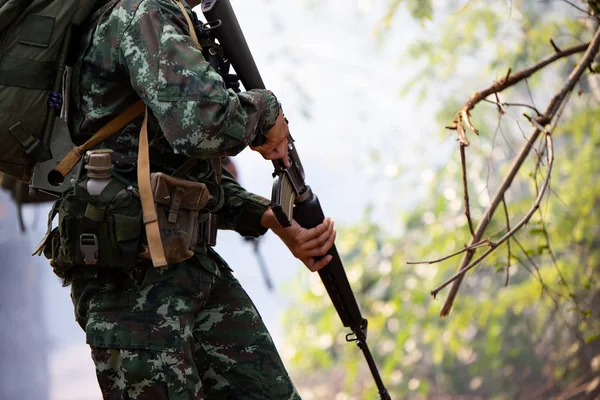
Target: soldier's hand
[275, 146]
[308, 245]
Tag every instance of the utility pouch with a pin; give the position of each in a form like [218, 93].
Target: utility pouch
[103, 230]
[179, 204]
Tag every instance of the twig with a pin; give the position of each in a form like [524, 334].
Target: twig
[576, 7]
[553, 107]
[510, 233]
[491, 157]
[507, 242]
[485, 242]
[509, 80]
[487, 217]
[537, 273]
[502, 105]
[466, 188]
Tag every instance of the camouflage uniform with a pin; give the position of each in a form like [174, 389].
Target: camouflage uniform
[188, 331]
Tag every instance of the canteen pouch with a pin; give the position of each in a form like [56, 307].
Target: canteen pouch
[178, 203]
[104, 230]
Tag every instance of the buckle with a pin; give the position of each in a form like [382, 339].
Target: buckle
[88, 243]
[207, 229]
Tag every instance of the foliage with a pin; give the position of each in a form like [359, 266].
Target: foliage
[539, 335]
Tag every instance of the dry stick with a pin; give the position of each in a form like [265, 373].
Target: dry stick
[487, 217]
[502, 109]
[507, 242]
[552, 108]
[576, 7]
[509, 80]
[510, 233]
[485, 242]
[466, 188]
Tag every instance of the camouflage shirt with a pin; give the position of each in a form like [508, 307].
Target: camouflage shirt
[134, 49]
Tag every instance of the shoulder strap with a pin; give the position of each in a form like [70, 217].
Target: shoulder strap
[71, 159]
[157, 251]
[189, 22]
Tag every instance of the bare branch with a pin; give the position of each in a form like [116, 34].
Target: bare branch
[466, 188]
[510, 233]
[507, 274]
[485, 242]
[576, 7]
[502, 105]
[553, 107]
[510, 80]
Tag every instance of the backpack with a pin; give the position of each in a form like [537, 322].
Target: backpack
[34, 42]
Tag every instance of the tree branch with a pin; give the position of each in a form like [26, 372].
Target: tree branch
[466, 188]
[510, 80]
[485, 242]
[510, 233]
[551, 110]
[507, 274]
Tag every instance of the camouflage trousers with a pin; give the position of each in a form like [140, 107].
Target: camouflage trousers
[181, 333]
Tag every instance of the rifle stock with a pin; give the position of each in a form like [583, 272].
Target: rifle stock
[289, 188]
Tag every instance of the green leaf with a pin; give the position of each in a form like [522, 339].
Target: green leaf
[592, 338]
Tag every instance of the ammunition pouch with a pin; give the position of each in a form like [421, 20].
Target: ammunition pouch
[107, 230]
[183, 219]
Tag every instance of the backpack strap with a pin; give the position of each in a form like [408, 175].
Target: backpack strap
[71, 159]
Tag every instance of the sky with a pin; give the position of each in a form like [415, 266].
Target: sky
[360, 143]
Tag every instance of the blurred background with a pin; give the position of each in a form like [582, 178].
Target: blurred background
[368, 87]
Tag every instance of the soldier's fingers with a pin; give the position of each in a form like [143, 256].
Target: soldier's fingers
[315, 265]
[276, 154]
[264, 148]
[317, 230]
[324, 248]
[283, 149]
[319, 240]
[279, 153]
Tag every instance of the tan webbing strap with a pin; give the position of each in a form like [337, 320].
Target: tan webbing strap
[71, 159]
[157, 252]
[189, 22]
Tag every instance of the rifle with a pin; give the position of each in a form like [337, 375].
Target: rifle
[291, 196]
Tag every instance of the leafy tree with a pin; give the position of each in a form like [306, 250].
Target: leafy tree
[535, 338]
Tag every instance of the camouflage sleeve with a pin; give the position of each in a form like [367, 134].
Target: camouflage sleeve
[199, 116]
[242, 210]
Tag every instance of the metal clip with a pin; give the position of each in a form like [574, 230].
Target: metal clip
[211, 230]
[88, 243]
[207, 229]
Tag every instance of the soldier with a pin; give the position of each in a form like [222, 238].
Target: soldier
[187, 331]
